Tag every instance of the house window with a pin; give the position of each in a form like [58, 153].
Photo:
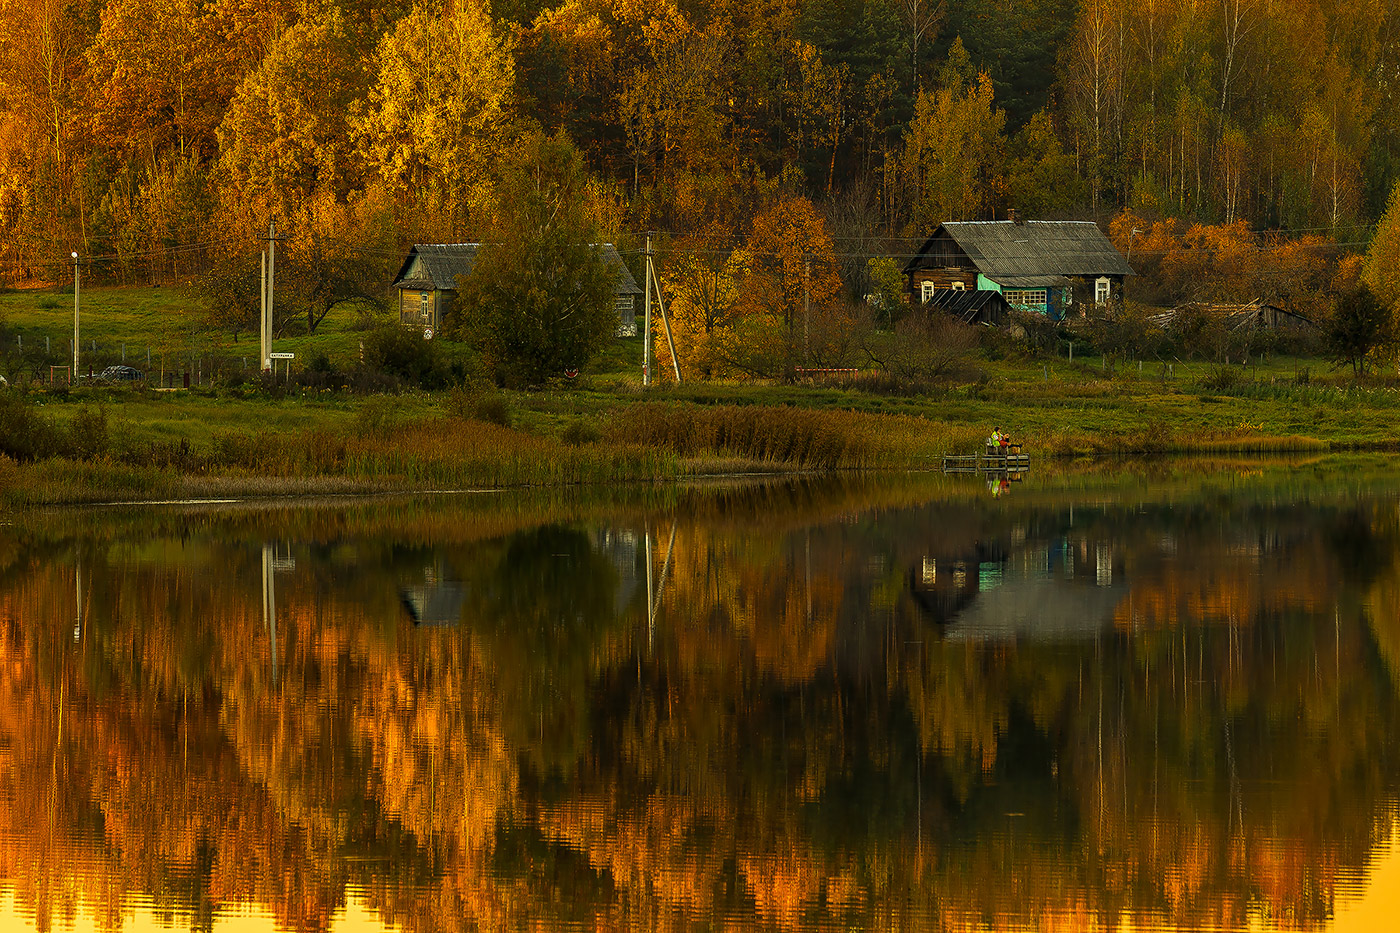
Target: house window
[425, 305]
[959, 286]
[1025, 297]
[626, 316]
[1103, 288]
[928, 288]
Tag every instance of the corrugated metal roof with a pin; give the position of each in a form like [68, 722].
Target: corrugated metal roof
[439, 265]
[968, 305]
[1036, 249]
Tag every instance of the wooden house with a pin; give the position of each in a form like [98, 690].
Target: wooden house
[1048, 266]
[427, 284]
[971, 306]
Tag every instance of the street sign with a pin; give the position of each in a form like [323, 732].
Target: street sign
[427, 333]
[282, 356]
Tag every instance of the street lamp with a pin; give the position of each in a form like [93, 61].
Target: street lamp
[75, 317]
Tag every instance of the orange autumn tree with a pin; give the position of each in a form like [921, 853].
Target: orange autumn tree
[791, 314]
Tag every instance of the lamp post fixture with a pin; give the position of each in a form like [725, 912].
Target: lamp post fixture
[76, 285]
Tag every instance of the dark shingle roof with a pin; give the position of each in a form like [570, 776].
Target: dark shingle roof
[441, 263]
[1037, 253]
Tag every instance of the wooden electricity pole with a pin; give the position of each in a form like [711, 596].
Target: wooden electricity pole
[655, 282]
[646, 321]
[269, 272]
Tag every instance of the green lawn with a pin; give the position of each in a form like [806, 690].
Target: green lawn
[1053, 404]
[159, 325]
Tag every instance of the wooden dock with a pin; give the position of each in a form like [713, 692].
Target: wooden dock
[991, 460]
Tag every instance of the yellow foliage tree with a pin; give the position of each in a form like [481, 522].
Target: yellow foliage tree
[437, 117]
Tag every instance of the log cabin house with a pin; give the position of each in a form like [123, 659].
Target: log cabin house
[1048, 266]
[427, 285]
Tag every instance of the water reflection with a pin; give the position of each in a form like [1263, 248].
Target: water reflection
[730, 711]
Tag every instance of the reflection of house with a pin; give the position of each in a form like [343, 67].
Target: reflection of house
[622, 548]
[1054, 590]
[427, 284]
[434, 601]
[1037, 609]
[1043, 266]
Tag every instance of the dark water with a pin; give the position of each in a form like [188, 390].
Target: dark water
[903, 706]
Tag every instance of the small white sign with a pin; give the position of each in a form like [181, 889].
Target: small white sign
[427, 333]
[282, 356]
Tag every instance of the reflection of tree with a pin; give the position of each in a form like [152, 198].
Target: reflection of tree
[796, 743]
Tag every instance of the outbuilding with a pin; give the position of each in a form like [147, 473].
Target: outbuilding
[427, 284]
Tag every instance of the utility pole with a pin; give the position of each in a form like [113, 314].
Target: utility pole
[665, 320]
[263, 344]
[269, 274]
[76, 284]
[807, 308]
[646, 323]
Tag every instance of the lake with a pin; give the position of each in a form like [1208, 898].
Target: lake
[1141, 697]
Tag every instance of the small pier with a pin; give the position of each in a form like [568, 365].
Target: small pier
[991, 460]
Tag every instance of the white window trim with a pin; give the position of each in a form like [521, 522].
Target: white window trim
[1103, 290]
[959, 286]
[1025, 297]
[927, 291]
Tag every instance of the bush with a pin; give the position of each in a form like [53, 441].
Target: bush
[25, 434]
[87, 434]
[579, 432]
[402, 352]
[925, 348]
[480, 404]
[1221, 379]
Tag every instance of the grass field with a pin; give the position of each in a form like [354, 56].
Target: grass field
[604, 425]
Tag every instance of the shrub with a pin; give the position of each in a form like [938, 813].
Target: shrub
[402, 352]
[579, 432]
[1221, 379]
[87, 434]
[924, 349]
[25, 434]
[480, 403]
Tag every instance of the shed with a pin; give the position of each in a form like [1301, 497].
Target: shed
[1041, 265]
[427, 284]
[971, 306]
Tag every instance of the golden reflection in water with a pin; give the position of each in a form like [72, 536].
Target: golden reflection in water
[863, 723]
[354, 917]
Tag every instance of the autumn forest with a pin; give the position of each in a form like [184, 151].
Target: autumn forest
[163, 135]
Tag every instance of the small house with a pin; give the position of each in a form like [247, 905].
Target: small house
[1046, 266]
[427, 284]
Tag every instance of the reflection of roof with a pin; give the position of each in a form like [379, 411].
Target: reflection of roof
[438, 266]
[439, 604]
[1043, 609]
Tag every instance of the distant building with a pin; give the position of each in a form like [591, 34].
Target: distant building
[1046, 266]
[1256, 315]
[427, 284]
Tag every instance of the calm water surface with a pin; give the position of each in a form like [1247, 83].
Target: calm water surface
[909, 706]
